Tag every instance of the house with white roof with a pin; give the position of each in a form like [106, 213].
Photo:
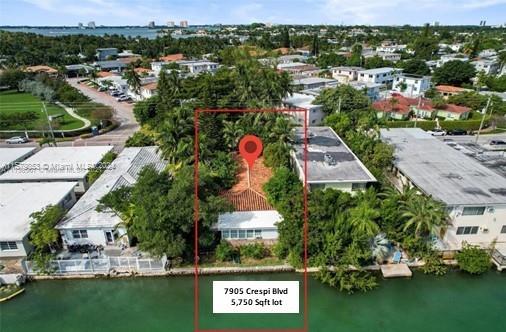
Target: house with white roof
[345, 74]
[488, 66]
[18, 201]
[473, 194]
[451, 57]
[315, 114]
[83, 224]
[384, 75]
[304, 83]
[58, 164]
[10, 156]
[410, 85]
[330, 162]
[198, 66]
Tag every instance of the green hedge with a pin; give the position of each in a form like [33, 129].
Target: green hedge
[468, 125]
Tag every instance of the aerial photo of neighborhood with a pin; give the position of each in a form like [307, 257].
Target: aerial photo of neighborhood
[252, 166]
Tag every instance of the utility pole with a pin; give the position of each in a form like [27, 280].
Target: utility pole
[339, 105]
[483, 119]
[44, 109]
[418, 107]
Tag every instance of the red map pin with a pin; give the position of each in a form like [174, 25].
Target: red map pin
[250, 148]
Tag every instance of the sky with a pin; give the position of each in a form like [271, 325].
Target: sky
[348, 12]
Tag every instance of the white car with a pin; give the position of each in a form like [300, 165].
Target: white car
[437, 132]
[16, 140]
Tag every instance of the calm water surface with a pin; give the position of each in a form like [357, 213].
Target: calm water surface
[456, 302]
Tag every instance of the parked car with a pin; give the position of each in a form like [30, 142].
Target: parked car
[115, 93]
[102, 89]
[457, 132]
[16, 140]
[125, 98]
[437, 132]
[497, 142]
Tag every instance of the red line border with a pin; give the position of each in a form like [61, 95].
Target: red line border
[196, 218]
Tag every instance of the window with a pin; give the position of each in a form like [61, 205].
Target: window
[503, 229]
[250, 233]
[258, 233]
[242, 234]
[8, 245]
[233, 234]
[225, 234]
[357, 186]
[80, 234]
[473, 210]
[467, 230]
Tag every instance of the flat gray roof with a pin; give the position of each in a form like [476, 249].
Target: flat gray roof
[57, 163]
[8, 156]
[19, 200]
[346, 167]
[123, 171]
[444, 173]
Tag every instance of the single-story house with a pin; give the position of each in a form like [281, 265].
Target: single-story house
[399, 107]
[18, 201]
[83, 223]
[172, 57]
[58, 164]
[41, 69]
[110, 65]
[448, 90]
[252, 218]
[313, 82]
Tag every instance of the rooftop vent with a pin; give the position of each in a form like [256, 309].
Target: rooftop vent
[453, 176]
[498, 191]
[329, 160]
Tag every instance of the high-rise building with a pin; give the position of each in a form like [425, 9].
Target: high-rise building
[151, 24]
[80, 25]
[183, 24]
[171, 24]
[92, 25]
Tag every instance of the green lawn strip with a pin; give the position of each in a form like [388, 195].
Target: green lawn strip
[13, 102]
[245, 262]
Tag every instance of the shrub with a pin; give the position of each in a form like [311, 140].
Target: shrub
[468, 125]
[140, 139]
[225, 252]
[434, 265]
[474, 260]
[254, 250]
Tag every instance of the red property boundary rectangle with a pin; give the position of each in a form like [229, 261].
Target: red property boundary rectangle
[196, 218]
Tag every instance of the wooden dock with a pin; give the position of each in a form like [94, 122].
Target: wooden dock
[396, 270]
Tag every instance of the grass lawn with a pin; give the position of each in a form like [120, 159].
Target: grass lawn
[13, 102]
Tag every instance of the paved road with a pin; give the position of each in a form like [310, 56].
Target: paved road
[123, 113]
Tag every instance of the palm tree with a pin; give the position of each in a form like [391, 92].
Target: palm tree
[232, 132]
[363, 220]
[502, 60]
[282, 131]
[133, 79]
[423, 214]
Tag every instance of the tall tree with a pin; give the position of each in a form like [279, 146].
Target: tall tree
[454, 72]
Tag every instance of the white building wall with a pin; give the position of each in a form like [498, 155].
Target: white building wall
[24, 248]
[489, 226]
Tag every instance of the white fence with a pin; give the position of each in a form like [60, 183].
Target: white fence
[101, 265]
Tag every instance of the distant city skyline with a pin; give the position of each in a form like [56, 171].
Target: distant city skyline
[199, 12]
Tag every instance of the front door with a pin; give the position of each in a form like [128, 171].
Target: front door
[108, 237]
